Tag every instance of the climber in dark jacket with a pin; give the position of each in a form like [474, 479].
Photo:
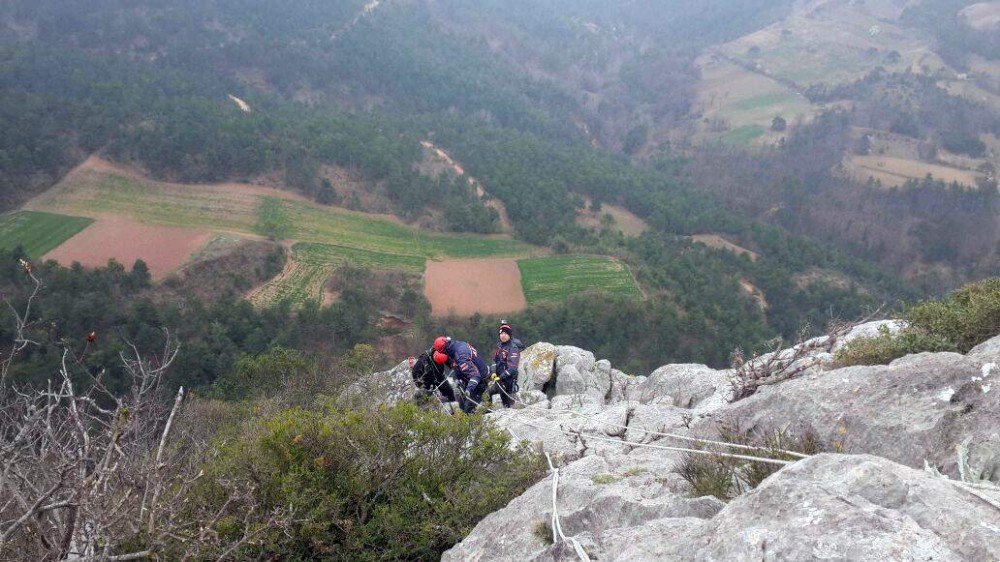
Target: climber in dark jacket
[506, 358]
[469, 368]
[430, 377]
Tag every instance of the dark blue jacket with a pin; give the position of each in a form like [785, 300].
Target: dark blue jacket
[466, 362]
[507, 357]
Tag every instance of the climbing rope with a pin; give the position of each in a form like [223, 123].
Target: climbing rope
[557, 531]
[681, 449]
[670, 435]
[465, 396]
[687, 438]
[579, 432]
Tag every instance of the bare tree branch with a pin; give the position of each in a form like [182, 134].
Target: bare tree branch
[83, 469]
[784, 364]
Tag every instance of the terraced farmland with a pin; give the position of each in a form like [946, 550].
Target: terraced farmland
[36, 232]
[559, 277]
[311, 264]
[235, 208]
[746, 102]
[319, 238]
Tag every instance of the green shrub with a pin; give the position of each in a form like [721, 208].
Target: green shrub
[886, 347]
[966, 318]
[393, 483]
[958, 322]
[272, 219]
[261, 375]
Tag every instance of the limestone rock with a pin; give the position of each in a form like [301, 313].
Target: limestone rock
[918, 408]
[853, 508]
[986, 352]
[536, 368]
[685, 385]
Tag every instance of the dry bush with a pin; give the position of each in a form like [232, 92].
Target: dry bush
[784, 364]
[727, 478]
[88, 474]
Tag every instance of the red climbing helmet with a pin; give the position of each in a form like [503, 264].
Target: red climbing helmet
[439, 344]
[440, 358]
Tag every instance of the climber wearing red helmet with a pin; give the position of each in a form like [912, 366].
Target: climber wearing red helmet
[429, 377]
[469, 368]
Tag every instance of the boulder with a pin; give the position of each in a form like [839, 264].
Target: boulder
[820, 353]
[851, 508]
[537, 366]
[986, 352]
[685, 385]
[918, 408]
[582, 359]
[829, 507]
[567, 371]
[386, 387]
[869, 330]
[577, 372]
[595, 494]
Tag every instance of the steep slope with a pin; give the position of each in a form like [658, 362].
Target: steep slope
[619, 444]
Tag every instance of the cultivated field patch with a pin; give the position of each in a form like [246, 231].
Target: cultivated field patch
[740, 104]
[310, 266]
[255, 210]
[894, 172]
[36, 232]
[624, 221]
[720, 243]
[559, 277]
[163, 248]
[465, 287]
[833, 43]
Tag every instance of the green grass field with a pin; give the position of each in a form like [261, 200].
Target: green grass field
[269, 214]
[312, 253]
[326, 225]
[744, 134]
[314, 263]
[765, 101]
[38, 233]
[559, 277]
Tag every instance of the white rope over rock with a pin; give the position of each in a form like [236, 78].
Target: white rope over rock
[696, 439]
[580, 434]
[557, 532]
[674, 435]
[677, 449]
